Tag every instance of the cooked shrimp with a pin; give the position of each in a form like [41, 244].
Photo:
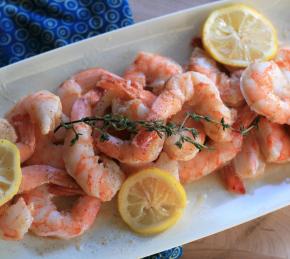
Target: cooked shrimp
[43, 107]
[25, 135]
[16, 220]
[134, 109]
[46, 152]
[125, 90]
[163, 162]
[7, 131]
[98, 176]
[209, 160]
[144, 147]
[48, 221]
[234, 173]
[36, 175]
[233, 182]
[219, 154]
[200, 92]
[283, 61]
[59, 136]
[267, 91]
[249, 163]
[188, 151]
[229, 87]
[274, 141]
[79, 84]
[151, 70]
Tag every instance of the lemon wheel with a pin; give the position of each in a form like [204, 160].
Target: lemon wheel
[238, 35]
[151, 201]
[10, 171]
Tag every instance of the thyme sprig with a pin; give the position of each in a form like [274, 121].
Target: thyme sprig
[120, 123]
[242, 130]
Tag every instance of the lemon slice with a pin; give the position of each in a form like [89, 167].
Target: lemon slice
[10, 170]
[151, 201]
[238, 35]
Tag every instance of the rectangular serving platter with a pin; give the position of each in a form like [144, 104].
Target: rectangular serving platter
[210, 208]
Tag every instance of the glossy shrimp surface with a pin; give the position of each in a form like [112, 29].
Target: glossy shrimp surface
[229, 86]
[79, 84]
[49, 221]
[25, 131]
[46, 152]
[188, 150]
[274, 141]
[267, 91]
[133, 109]
[152, 70]
[249, 163]
[201, 93]
[7, 131]
[209, 160]
[36, 175]
[42, 110]
[163, 162]
[43, 107]
[15, 220]
[99, 176]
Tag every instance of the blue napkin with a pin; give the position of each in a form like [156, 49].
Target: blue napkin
[30, 27]
[173, 253]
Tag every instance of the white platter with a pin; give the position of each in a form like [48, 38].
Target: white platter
[210, 208]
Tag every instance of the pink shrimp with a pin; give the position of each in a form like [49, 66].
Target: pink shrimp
[25, 135]
[133, 109]
[144, 147]
[49, 221]
[43, 107]
[46, 152]
[151, 70]
[249, 163]
[282, 59]
[229, 86]
[86, 80]
[219, 154]
[209, 160]
[266, 88]
[188, 151]
[7, 131]
[232, 180]
[36, 175]
[98, 176]
[124, 89]
[201, 93]
[15, 220]
[18, 218]
[163, 162]
[79, 84]
[274, 141]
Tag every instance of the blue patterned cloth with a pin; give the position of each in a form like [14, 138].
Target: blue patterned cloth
[173, 253]
[30, 27]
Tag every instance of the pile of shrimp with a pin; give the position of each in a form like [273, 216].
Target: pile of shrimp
[153, 87]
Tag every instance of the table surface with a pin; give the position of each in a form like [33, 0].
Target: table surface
[267, 237]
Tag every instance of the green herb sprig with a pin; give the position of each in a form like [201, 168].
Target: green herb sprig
[120, 123]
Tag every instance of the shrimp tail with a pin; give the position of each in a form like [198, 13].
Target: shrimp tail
[232, 180]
